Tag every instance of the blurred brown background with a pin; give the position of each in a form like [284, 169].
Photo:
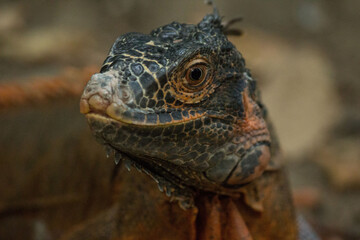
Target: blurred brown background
[304, 53]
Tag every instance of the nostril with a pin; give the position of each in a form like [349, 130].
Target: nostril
[98, 103]
[125, 95]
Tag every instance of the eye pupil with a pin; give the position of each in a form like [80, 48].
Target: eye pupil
[196, 74]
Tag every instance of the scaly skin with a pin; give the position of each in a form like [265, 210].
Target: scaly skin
[180, 105]
[203, 132]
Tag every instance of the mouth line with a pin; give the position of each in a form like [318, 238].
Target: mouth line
[104, 117]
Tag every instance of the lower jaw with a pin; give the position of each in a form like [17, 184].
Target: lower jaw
[105, 120]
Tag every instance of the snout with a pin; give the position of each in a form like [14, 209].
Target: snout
[96, 103]
[97, 94]
[102, 93]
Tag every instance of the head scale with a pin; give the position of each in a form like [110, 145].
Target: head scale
[180, 103]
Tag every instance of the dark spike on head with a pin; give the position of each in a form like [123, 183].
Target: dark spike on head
[212, 20]
[232, 31]
[215, 20]
[215, 11]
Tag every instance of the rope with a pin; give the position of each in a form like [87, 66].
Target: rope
[69, 84]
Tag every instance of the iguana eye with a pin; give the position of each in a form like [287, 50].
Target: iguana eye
[195, 75]
[192, 81]
[197, 72]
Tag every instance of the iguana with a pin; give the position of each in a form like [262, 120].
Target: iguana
[180, 105]
[208, 149]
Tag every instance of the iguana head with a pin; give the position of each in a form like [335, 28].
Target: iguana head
[180, 104]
